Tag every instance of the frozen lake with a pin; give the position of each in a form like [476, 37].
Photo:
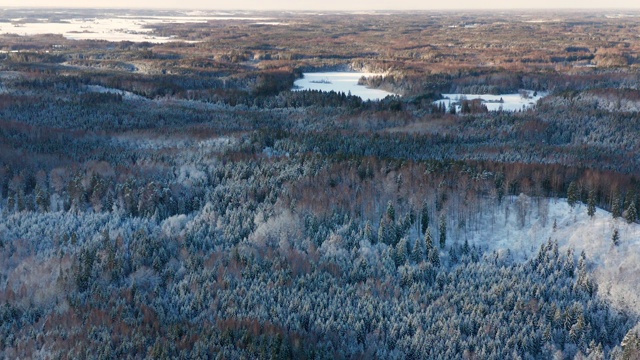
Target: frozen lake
[340, 82]
[508, 102]
[116, 28]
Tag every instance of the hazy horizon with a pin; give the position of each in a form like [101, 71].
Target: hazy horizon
[331, 5]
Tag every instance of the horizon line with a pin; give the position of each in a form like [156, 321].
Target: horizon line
[463, 9]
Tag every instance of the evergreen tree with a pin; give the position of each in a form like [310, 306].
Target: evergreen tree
[111, 253]
[453, 255]
[21, 201]
[582, 269]
[391, 212]
[569, 264]
[572, 194]
[443, 231]
[387, 232]
[418, 249]
[11, 203]
[83, 267]
[629, 198]
[406, 277]
[595, 351]
[499, 184]
[631, 214]
[424, 218]
[465, 108]
[368, 233]
[41, 198]
[382, 231]
[402, 252]
[616, 209]
[466, 249]
[408, 220]
[428, 241]
[434, 257]
[591, 203]
[615, 238]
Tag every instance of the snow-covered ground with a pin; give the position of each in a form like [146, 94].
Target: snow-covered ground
[506, 102]
[615, 268]
[117, 28]
[125, 94]
[340, 82]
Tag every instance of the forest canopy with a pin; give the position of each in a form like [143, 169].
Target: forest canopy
[177, 200]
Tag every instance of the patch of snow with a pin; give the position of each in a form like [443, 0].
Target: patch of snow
[120, 28]
[620, 16]
[523, 224]
[174, 226]
[272, 23]
[525, 99]
[219, 144]
[190, 19]
[340, 82]
[195, 13]
[190, 175]
[110, 29]
[125, 94]
[542, 21]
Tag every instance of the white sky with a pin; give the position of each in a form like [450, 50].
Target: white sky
[328, 4]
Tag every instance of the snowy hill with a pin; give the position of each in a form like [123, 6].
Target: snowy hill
[522, 224]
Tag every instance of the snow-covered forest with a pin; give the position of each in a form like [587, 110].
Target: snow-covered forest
[215, 215]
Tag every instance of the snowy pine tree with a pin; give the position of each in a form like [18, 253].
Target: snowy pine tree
[591, 203]
[391, 212]
[443, 231]
[615, 238]
[368, 233]
[401, 252]
[434, 257]
[418, 251]
[428, 241]
[572, 194]
[424, 218]
[631, 215]
[616, 208]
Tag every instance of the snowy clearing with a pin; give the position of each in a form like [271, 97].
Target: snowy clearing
[125, 94]
[522, 224]
[340, 82]
[525, 99]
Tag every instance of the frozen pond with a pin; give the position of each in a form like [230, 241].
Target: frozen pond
[116, 28]
[340, 82]
[508, 102]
